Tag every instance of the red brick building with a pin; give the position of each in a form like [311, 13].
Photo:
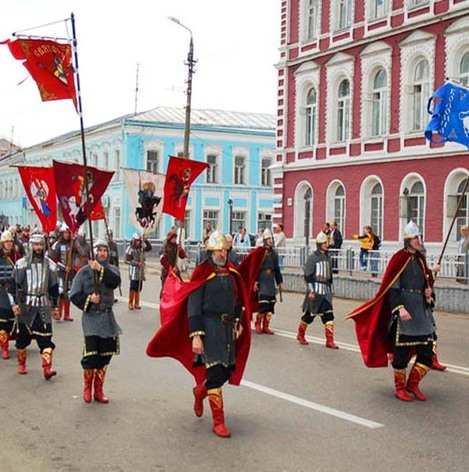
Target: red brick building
[354, 79]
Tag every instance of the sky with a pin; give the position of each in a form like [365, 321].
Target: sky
[235, 43]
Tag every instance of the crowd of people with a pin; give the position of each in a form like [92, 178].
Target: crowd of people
[206, 321]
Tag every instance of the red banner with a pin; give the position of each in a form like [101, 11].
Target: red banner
[179, 177]
[50, 65]
[39, 185]
[97, 213]
[71, 191]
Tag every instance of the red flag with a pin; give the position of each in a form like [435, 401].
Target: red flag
[179, 177]
[71, 191]
[50, 65]
[97, 213]
[39, 185]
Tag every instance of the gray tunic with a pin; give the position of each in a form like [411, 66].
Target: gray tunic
[97, 320]
[409, 291]
[269, 275]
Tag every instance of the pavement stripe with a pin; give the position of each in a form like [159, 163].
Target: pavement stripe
[455, 369]
[313, 406]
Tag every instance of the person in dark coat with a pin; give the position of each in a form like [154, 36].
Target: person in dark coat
[92, 292]
[335, 243]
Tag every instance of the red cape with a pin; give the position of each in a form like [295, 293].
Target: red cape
[172, 339]
[249, 270]
[373, 317]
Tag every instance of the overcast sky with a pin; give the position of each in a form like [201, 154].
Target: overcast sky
[235, 42]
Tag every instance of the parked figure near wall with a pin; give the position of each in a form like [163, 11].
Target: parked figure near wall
[463, 247]
[268, 280]
[335, 243]
[241, 240]
[35, 292]
[280, 243]
[398, 320]
[93, 292]
[318, 298]
[135, 258]
[8, 259]
[366, 240]
[231, 255]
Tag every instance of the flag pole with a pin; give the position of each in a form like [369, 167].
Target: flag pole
[461, 199]
[82, 133]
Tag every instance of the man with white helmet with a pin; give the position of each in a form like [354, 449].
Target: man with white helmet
[34, 297]
[93, 292]
[318, 298]
[63, 253]
[268, 279]
[135, 258]
[398, 320]
[8, 258]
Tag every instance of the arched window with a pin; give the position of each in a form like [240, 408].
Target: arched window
[379, 124]
[417, 205]
[376, 203]
[464, 69]
[421, 92]
[307, 212]
[462, 218]
[311, 118]
[343, 111]
[339, 207]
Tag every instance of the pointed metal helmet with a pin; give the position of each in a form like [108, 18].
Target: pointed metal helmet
[411, 230]
[6, 236]
[216, 241]
[99, 243]
[64, 227]
[266, 234]
[322, 238]
[37, 238]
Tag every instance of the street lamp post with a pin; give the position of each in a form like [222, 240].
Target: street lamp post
[230, 203]
[190, 66]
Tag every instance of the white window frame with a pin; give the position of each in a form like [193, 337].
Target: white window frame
[311, 118]
[239, 169]
[212, 172]
[379, 106]
[343, 113]
[378, 9]
[336, 204]
[420, 92]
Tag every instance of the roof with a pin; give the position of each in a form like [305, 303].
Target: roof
[215, 118]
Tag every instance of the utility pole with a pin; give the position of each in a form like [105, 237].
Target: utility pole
[190, 63]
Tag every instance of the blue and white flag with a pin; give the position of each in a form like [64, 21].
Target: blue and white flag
[449, 107]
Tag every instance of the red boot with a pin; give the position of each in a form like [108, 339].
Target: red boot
[130, 305]
[88, 376]
[4, 338]
[329, 330]
[200, 392]
[21, 356]
[399, 383]
[98, 385]
[418, 372]
[258, 323]
[137, 301]
[47, 363]
[266, 323]
[215, 398]
[67, 316]
[58, 313]
[435, 362]
[301, 333]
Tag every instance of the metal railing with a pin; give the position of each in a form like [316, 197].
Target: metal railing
[293, 258]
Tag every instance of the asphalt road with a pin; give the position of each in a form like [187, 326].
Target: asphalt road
[300, 408]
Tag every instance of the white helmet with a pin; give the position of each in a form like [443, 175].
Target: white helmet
[322, 238]
[411, 230]
[6, 236]
[266, 234]
[216, 241]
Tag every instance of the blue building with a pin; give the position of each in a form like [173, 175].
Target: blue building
[235, 190]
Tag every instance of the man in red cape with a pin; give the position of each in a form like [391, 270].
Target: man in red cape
[403, 301]
[176, 336]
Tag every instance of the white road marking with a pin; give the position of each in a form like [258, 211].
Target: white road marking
[455, 369]
[313, 406]
[142, 303]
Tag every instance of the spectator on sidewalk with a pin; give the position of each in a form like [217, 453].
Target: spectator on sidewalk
[463, 247]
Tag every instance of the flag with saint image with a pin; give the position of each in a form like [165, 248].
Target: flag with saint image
[145, 195]
[50, 65]
[180, 175]
[39, 185]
